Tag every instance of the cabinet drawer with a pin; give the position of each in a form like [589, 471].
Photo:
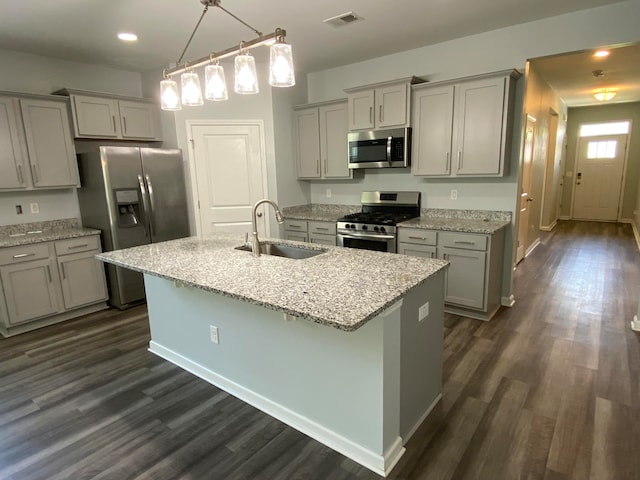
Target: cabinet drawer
[322, 239]
[468, 241]
[323, 228]
[24, 253]
[418, 236]
[77, 245]
[295, 225]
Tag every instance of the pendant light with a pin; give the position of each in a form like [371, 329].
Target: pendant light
[215, 85]
[169, 95]
[281, 65]
[191, 91]
[246, 76]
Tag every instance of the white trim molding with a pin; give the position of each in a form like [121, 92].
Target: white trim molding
[548, 228]
[509, 301]
[635, 324]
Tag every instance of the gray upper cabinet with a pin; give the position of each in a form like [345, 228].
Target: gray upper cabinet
[383, 105]
[464, 128]
[52, 155]
[109, 117]
[321, 141]
[12, 156]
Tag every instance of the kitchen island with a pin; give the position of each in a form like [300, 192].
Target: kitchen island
[345, 346]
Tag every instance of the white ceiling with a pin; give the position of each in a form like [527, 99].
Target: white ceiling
[85, 30]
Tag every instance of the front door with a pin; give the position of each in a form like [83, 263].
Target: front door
[598, 180]
[228, 173]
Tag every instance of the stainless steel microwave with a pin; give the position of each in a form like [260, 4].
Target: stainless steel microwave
[380, 148]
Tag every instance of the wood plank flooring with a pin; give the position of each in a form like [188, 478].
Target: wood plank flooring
[549, 389]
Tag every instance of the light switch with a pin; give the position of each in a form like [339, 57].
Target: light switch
[35, 208]
[213, 333]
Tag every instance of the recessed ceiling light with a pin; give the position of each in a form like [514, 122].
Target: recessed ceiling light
[604, 94]
[601, 53]
[127, 37]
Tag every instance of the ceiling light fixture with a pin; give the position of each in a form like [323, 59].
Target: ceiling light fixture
[601, 53]
[127, 37]
[604, 94]
[281, 72]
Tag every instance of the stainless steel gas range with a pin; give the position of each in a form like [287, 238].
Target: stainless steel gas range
[374, 228]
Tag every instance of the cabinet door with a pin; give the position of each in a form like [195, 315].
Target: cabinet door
[29, 290]
[465, 277]
[427, 251]
[361, 115]
[296, 237]
[479, 109]
[137, 119]
[11, 157]
[333, 141]
[307, 127]
[391, 106]
[51, 152]
[432, 127]
[95, 116]
[82, 278]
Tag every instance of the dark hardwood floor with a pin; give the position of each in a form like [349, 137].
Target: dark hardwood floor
[549, 389]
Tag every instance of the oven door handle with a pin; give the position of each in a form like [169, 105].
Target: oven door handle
[367, 235]
[389, 139]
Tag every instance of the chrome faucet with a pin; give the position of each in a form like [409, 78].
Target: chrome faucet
[280, 219]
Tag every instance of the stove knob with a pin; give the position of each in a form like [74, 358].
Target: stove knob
[382, 229]
[364, 227]
[375, 229]
[346, 225]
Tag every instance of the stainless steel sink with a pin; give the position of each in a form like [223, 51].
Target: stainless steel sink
[287, 251]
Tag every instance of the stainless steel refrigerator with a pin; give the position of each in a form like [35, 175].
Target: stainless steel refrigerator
[135, 196]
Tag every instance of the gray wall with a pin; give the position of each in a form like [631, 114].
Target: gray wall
[605, 113]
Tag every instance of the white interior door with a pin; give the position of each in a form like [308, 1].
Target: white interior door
[525, 188]
[598, 180]
[229, 175]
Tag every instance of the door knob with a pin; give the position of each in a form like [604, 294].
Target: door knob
[259, 214]
[529, 199]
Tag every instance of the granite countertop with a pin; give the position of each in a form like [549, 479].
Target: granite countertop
[343, 288]
[469, 221]
[36, 232]
[317, 212]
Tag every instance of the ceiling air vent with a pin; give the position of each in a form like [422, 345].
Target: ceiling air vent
[343, 19]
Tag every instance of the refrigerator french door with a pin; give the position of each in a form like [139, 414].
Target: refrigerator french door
[135, 196]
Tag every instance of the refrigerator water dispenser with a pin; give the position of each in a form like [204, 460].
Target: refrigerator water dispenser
[128, 207]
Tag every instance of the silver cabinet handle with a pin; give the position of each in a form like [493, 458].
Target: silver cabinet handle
[380, 114]
[34, 172]
[294, 226]
[464, 242]
[22, 255]
[322, 228]
[64, 274]
[459, 159]
[20, 177]
[152, 205]
[49, 273]
[371, 115]
[80, 245]
[417, 238]
[447, 165]
[113, 118]
[124, 124]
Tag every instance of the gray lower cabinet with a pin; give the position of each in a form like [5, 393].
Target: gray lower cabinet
[48, 282]
[474, 278]
[322, 233]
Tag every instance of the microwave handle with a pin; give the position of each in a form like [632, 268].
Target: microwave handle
[389, 150]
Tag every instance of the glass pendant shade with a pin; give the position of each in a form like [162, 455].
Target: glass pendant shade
[215, 87]
[191, 91]
[169, 95]
[281, 72]
[246, 77]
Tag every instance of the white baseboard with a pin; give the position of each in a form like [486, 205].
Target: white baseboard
[635, 324]
[380, 464]
[532, 247]
[564, 217]
[422, 419]
[509, 301]
[636, 233]
[548, 228]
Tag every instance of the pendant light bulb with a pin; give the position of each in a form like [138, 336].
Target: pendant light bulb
[191, 91]
[246, 77]
[281, 72]
[169, 95]
[215, 87]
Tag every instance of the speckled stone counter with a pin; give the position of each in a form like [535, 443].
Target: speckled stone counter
[470, 221]
[319, 212]
[36, 232]
[343, 288]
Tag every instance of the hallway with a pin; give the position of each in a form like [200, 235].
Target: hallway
[548, 389]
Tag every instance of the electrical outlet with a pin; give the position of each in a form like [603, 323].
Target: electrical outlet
[423, 312]
[328, 193]
[18, 209]
[454, 194]
[213, 333]
[35, 208]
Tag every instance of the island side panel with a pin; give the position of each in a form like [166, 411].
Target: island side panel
[342, 385]
[421, 353]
